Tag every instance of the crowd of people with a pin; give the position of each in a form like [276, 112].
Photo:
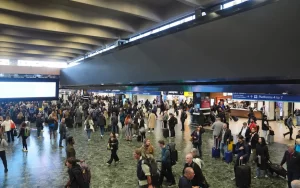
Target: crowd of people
[108, 115]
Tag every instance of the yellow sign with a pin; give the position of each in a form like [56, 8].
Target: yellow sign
[188, 94]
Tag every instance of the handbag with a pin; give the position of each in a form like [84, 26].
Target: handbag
[12, 125]
[15, 132]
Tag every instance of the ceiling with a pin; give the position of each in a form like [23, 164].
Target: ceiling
[61, 30]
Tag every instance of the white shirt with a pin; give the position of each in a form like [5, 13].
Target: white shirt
[6, 125]
[243, 133]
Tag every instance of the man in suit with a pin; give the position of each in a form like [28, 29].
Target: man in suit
[225, 136]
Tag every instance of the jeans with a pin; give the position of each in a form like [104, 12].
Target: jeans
[61, 137]
[258, 172]
[3, 158]
[298, 120]
[224, 149]
[88, 131]
[114, 128]
[292, 176]
[10, 135]
[182, 124]
[113, 156]
[39, 131]
[166, 171]
[101, 130]
[24, 142]
[265, 134]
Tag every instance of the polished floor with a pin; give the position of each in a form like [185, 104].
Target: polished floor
[43, 165]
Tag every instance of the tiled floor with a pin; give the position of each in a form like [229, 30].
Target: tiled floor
[43, 166]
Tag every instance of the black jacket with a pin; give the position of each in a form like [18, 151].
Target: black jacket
[39, 122]
[226, 136]
[254, 140]
[247, 134]
[292, 162]
[101, 121]
[199, 178]
[76, 178]
[265, 125]
[172, 122]
[263, 152]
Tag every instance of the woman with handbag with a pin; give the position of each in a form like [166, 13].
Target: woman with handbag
[9, 127]
[262, 157]
[113, 146]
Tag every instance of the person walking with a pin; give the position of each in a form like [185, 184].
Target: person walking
[196, 138]
[265, 127]
[3, 145]
[39, 124]
[290, 125]
[166, 166]
[24, 134]
[183, 118]
[7, 124]
[101, 122]
[186, 180]
[89, 126]
[75, 174]
[113, 146]
[292, 160]
[62, 132]
[128, 128]
[262, 157]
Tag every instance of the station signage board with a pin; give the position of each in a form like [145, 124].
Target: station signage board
[172, 93]
[266, 97]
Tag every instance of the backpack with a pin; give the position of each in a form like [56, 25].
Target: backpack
[285, 121]
[87, 125]
[27, 131]
[173, 153]
[176, 121]
[153, 171]
[86, 173]
[297, 148]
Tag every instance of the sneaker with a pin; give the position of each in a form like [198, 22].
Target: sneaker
[101, 136]
[108, 164]
[117, 162]
[149, 131]
[171, 184]
[266, 176]
[61, 146]
[255, 177]
[26, 150]
[232, 178]
[42, 130]
[23, 149]
[89, 140]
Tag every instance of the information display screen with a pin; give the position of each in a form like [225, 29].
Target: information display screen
[23, 90]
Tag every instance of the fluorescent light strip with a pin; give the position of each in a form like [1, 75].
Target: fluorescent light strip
[42, 64]
[4, 62]
[232, 3]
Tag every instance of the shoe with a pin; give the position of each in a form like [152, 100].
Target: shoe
[149, 131]
[23, 149]
[232, 178]
[117, 162]
[42, 131]
[291, 139]
[101, 136]
[6, 170]
[26, 150]
[61, 146]
[171, 184]
[89, 140]
[108, 164]
[255, 177]
[266, 176]
[283, 135]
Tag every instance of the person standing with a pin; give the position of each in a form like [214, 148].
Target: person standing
[185, 180]
[245, 132]
[225, 136]
[172, 122]
[197, 139]
[3, 145]
[78, 117]
[142, 128]
[183, 118]
[24, 135]
[113, 145]
[122, 118]
[39, 124]
[297, 114]
[75, 174]
[217, 128]
[262, 157]
[62, 132]
[166, 166]
[165, 119]
[252, 143]
[89, 126]
[289, 124]
[292, 160]
[128, 128]
[114, 123]
[277, 114]
[151, 122]
[8, 129]
[265, 127]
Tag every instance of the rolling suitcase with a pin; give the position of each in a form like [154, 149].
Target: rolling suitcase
[166, 133]
[216, 150]
[139, 138]
[276, 168]
[235, 118]
[243, 176]
[270, 139]
[228, 156]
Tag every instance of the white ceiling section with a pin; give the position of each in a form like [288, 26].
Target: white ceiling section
[61, 30]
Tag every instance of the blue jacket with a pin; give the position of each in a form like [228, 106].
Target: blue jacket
[165, 155]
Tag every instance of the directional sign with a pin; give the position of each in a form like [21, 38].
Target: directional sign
[265, 97]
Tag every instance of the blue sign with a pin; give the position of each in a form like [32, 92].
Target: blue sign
[265, 97]
[128, 92]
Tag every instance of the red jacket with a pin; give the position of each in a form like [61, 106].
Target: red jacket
[252, 125]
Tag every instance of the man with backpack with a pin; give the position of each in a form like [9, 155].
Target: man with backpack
[172, 122]
[289, 123]
[166, 164]
[147, 174]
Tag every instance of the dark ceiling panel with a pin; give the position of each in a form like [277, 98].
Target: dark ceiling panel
[259, 43]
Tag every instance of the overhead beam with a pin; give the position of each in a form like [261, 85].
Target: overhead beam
[49, 25]
[192, 3]
[39, 42]
[43, 48]
[65, 13]
[134, 8]
[33, 56]
[37, 52]
[50, 36]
